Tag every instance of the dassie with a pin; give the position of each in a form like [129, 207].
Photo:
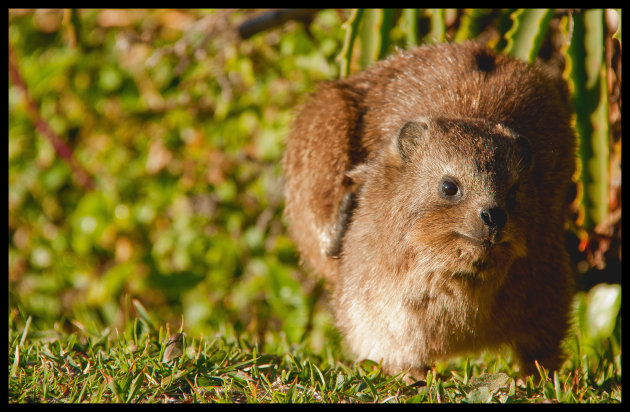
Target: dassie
[431, 191]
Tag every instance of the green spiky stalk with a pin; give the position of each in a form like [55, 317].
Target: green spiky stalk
[351, 27]
[470, 25]
[410, 17]
[527, 32]
[438, 25]
[587, 76]
[370, 37]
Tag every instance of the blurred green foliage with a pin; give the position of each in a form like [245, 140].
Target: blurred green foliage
[181, 125]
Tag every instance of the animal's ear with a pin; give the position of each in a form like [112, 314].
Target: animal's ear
[525, 152]
[521, 147]
[409, 136]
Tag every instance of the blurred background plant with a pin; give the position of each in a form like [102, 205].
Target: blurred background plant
[145, 147]
[180, 125]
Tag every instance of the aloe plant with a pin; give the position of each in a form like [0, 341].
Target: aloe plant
[527, 32]
[438, 25]
[587, 77]
[351, 27]
[471, 24]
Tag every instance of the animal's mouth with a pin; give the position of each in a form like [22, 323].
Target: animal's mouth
[481, 243]
[485, 243]
[480, 255]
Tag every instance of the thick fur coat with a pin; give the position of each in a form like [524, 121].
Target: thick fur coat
[431, 191]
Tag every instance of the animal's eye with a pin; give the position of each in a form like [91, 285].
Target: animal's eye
[511, 195]
[449, 188]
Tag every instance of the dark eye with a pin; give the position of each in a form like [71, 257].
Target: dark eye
[449, 188]
[511, 196]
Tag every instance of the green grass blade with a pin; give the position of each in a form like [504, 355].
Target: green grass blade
[467, 371]
[85, 385]
[25, 333]
[556, 386]
[527, 32]
[134, 387]
[16, 361]
[370, 385]
[144, 315]
[113, 386]
[290, 395]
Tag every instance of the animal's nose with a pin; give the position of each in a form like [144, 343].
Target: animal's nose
[494, 217]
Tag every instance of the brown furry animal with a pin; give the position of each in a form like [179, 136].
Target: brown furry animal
[430, 190]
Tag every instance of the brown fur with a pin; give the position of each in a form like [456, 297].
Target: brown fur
[418, 275]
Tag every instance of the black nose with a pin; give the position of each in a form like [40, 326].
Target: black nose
[494, 217]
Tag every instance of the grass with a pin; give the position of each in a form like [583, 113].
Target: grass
[145, 365]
